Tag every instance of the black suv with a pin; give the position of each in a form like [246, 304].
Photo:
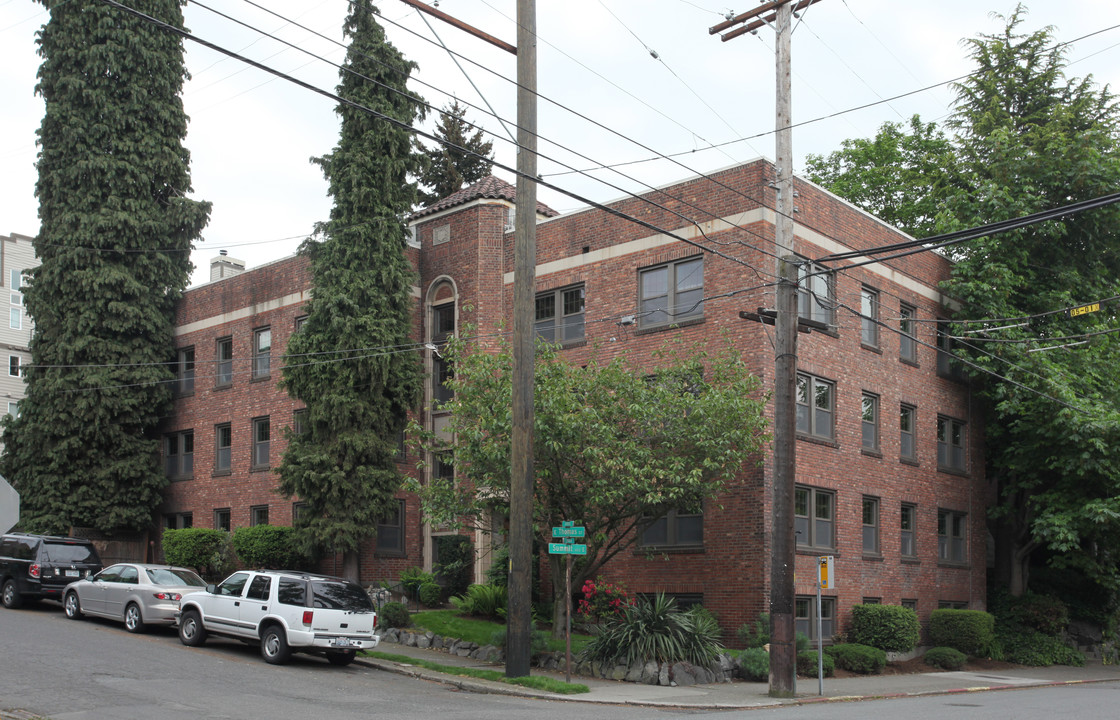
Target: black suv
[33, 567]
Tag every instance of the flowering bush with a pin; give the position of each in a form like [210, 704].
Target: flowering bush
[602, 599]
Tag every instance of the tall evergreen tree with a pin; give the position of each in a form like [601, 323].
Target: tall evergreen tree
[346, 361]
[114, 242]
[448, 169]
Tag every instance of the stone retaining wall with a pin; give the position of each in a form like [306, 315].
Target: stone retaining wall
[649, 673]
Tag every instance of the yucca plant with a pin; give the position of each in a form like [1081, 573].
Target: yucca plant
[654, 629]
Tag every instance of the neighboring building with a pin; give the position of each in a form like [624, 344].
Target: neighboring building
[16, 255]
[890, 459]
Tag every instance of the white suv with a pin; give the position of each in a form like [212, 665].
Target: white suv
[285, 611]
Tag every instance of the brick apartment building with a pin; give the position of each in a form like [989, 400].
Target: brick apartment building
[890, 476]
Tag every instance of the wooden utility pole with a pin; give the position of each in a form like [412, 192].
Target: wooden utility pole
[783, 648]
[519, 616]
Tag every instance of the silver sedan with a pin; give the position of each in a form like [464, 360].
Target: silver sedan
[134, 593]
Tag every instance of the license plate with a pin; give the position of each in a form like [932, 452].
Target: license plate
[72, 573]
[341, 642]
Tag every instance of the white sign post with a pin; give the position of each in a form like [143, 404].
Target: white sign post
[826, 580]
[9, 506]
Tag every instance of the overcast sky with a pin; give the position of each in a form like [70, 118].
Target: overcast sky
[605, 98]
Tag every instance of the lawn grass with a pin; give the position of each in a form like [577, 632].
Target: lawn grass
[449, 623]
[537, 682]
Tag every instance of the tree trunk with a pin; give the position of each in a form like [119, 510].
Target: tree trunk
[351, 565]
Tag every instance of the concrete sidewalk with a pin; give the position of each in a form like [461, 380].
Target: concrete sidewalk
[741, 694]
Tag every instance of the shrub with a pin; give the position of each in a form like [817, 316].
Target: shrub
[485, 600]
[754, 664]
[394, 615]
[456, 562]
[801, 642]
[862, 659]
[1027, 646]
[655, 630]
[430, 594]
[807, 664]
[946, 658]
[888, 627]
[267, 546]
[970, 631]
[412, 578]
[498, 572]
[538, 639]
[756, 634]
[1048, 615]
[602, 599]
[203, 549]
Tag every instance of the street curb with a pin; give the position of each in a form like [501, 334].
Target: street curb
[477, 685]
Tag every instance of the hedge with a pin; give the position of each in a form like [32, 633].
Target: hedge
[862, 659]
[891, 628]
[970, 631]
[267, 546]
[807, 664]
[202, 549]
[946, 658]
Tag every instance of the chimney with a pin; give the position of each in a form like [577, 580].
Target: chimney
[224, 266]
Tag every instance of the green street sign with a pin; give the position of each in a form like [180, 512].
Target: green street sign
[568, 531]
[562, 549]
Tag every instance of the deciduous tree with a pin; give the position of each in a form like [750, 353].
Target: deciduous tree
[115, 238]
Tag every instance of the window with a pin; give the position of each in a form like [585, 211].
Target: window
[299, 510]
[952, 536]
[805, 617]
[221, 519]
[299, 421]
[262, 432]
[869, 325]
[950, 444]
[390, 531]
[675, 529]
[258, 515]
[299, 323]
[443, 328]
[444, 465]
[15, 279]
[262, 353]
[910, 604]
[814, 406]
[951, 605]
[872, 601]
[907, 526]
[870, 525]
[292, 592]
[13, 409]
[813, 517]
[947, 365]
[259, 588]
[869, 416]
[16, 322]
[907, 446]
[184, 371]
[13, 365]
[559, 315]
[225, 362]
[178, 521]
[907, 343]
[223, 447]
[179, 454]
[815, 296]
[671, 293]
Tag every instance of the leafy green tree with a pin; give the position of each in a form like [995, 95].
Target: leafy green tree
[615, 447]
[115, 239]
[448, 169]
[900, 176]
[1029, 139]
[345, 362]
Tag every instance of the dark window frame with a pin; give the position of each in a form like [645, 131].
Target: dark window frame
[869, 422]
[262, 353]
[871, 514]
[908, 530]
[869, 317]
[808, 411]
[184, 370]
[672, 522]
[223, 519]
[808, 520]
[952, 548]
[258, 515]
[223, 352]
[261, 446]
[391, 532]
[565, 325]
[906, 410]
[813, 281]
[952, 444]
[907, 333]
[183, 459]
[223, 453]
[657, 309]
[805, 617]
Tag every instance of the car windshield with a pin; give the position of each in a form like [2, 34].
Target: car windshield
[174, 576]
[336, 595]
[70, 553]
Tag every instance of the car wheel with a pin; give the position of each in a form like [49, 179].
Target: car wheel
[341, 658]
[73, 606]
[133, 619]
[274, 645]
[191, 632]
[11, 597]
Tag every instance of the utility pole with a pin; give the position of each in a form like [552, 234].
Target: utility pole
[783, 648]
[519, 616]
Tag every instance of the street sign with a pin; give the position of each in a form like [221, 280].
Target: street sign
[9, 506]
[1085, 309]
[827, 577]
[569, 531]
[567, 549]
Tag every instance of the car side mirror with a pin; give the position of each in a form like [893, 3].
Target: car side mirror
[211, 588]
